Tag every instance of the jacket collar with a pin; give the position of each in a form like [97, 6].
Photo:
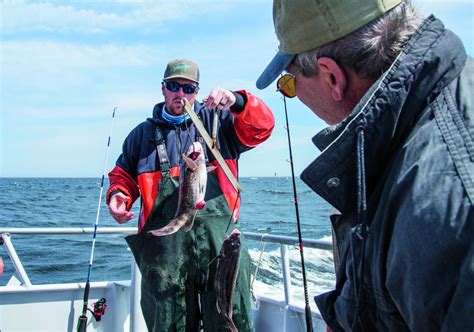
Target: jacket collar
[431, 59]
[157, 118]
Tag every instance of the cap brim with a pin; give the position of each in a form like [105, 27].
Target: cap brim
[279, 63]
[180, 76]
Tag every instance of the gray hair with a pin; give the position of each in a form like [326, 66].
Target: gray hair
[370, 50]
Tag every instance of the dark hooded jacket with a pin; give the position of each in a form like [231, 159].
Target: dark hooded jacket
[418, 127]
[138, 171]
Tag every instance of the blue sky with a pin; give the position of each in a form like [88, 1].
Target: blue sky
[66, 64]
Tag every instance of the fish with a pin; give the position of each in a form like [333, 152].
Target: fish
[192, 190]
[226, 276]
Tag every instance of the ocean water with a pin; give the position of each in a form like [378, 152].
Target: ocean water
[267, 207]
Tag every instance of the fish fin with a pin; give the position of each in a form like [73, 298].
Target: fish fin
[210, 168]
[189, 163]
[189, 222]
[212, 260]
[231, 324]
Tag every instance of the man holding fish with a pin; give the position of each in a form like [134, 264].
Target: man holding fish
[188, 204]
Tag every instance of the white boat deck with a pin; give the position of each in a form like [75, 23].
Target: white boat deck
[57, 307]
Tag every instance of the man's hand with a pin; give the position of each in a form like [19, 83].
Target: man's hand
[118, 208]
[219, 99]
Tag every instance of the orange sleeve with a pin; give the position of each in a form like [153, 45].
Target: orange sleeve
[255, 123]
[121, 180]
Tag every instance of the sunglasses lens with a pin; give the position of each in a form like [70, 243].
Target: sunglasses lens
[174, 87]
[286, 85]
[189, 88]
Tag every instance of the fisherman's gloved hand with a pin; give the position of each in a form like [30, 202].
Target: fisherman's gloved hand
[118, 208]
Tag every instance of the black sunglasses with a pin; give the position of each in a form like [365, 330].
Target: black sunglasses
[174, 87]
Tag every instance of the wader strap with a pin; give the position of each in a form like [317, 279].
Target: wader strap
[161, 150]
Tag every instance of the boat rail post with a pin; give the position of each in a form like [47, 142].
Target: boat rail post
[285, 265]
[136, 316]
[6, 239]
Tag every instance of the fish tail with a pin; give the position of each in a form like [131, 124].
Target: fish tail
[175, 225]
[189, 222]
[231, 325]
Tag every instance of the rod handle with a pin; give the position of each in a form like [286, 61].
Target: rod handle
[309, 320]
[82, 324]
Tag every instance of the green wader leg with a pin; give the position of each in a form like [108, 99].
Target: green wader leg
[209, 232]
[177, 280]
[242, 310]
[162, 263]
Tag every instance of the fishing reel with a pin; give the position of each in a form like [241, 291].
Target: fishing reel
[99, 309]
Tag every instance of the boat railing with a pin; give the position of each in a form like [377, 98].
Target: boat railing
[6, 234]
[284, 241]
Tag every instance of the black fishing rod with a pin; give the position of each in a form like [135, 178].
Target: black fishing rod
[98, 309]
[309, 321]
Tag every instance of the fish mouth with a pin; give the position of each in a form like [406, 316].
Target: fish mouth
[194, 155]
[236, 232]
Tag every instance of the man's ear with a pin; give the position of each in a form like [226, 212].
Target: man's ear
[334, 76]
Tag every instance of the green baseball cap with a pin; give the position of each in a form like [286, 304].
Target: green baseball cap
[182, 68]
[302, 25]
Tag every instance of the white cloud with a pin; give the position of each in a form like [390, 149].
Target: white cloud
[24, 17]
[46, 67]
[46, 55]
[99, 17]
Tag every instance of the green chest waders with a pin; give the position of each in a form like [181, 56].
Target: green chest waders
[177, 280]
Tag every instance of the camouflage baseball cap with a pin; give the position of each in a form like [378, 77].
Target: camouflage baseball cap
[181, 68]
[302, 25]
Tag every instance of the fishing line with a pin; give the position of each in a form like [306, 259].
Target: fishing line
[233, 211]
[82, 322]
[309, 323]
[262, 250]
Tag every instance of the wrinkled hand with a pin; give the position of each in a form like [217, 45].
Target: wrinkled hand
[118, 208]
[220, 99]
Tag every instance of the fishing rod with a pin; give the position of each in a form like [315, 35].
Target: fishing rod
[82, 321]
[309, 321]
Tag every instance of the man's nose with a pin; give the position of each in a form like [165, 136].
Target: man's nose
[180, 91]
